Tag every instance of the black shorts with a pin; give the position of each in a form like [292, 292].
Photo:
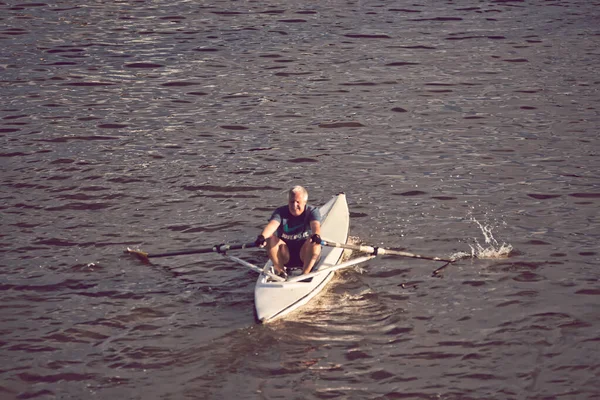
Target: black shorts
[294, 249]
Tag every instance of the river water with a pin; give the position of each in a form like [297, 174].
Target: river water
[453, 127]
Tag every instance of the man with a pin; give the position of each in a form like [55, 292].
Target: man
[293, 235]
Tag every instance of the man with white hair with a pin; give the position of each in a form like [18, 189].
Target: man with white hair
[293, 235]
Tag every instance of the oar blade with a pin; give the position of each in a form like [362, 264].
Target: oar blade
[143, 256]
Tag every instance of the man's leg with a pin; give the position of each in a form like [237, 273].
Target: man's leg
[278, 253]
[309, 254]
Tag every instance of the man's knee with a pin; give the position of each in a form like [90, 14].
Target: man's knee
[310, 248]
[273, 241]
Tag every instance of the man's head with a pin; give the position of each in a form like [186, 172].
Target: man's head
[297, 198]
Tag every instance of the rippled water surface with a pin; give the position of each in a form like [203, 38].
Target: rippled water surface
[455, 126]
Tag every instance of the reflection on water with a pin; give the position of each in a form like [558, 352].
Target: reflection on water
[182, 125]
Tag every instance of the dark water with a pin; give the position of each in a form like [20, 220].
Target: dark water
[169, 125]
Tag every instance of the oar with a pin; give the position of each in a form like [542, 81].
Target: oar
[220, 248]
[380, 251]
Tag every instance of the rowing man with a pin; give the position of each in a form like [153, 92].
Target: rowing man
[292, 236]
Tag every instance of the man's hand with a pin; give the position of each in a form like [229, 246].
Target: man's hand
[260, 241]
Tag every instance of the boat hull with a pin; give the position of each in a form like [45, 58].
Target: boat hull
[276, 299]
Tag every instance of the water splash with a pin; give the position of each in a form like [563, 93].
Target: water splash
[491, 249]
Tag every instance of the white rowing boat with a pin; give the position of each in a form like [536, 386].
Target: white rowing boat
[275, 298]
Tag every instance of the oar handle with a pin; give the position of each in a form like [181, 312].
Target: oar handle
[380, 251]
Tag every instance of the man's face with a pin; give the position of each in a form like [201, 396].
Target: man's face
[296, 204]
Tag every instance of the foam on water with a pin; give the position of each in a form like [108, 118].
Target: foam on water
[349, 254]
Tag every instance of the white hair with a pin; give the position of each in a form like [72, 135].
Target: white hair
[298, 189]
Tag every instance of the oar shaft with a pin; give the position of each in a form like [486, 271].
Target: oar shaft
[221, 248]
[380, 251]
[215, 249]
[181, 253]
[362, 249]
